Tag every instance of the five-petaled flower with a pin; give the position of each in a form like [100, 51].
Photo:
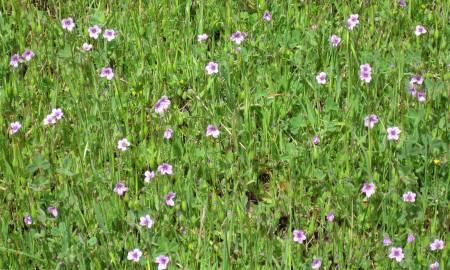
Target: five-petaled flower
[238, 37]
[27, 55]
[437, 244]
[267, 16]
[27, 220]
[169, 198]
[15, 60]
[14, 127]
[370, 120]
[162, 105]
[316, 263]
[162, 262]
[330, 217]
[86, 47]
[212, 68]
[134, 255]
[168, 134]
[165, 168]
[299, 236]
[420, 30]
[94, 31]
[107, 73]
[202, 37]
[335, 40]
[409, 197]
[365, 73]
[123, 144]
[146, 221]
[434, 266]
[53, 211]
[368, 189]
[396, 253]
[410, 238]
[109, 34]
[212, 131]
[120, 188]
[148, 176]
[321, 78]
[53, 117]
[68, 24]
[387, 241]
[315, 139]
[393, 133]
[352, 21]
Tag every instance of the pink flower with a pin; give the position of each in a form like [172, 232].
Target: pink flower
[420, 30]
[168, 134]
[434, 266]
[315, 140]
[409, 197]
[53, 211]
[165, 168]
[393, 133]
[368, 189]
[410, 238]
[146, 221]
[238, 37]
[202, 38]
[352, 21]
[134, 255]
[53, 117]
[299, 236]
[169, 198]
[396, 253]
[162, 262]
[212, 68]
[387, 241]
[27, 55]
[416, 80]
[321, 78]
[27, 220]
[149, 175]
[421, 96]
[107, 73]
[365, 73]
[267, 16]
[94, 31]
[15, 61]
[123, 144]
[120, 188]
[335, 40]
[109, 34]
[330, 217]
[14, 127]
[370, 120]
[86, 47]
[437, 245]
[68, 24]
[162, 105]
[212, 131]
[316, 263]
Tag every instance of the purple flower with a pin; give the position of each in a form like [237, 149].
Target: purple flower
[315, 140]
[53, 210]
[94, 31]
[335, 40]
[162, 104]
[109, 34]
[53, 117]
[123, 144]
[238, 37]
[316, 263]
[267, 16]
[149, 175]
[368, 189]
[353, 21]
[402, 3]
[15, 60]
[437, 245]
[434, 266]
[396, 253]
[421, 96]
[299, 236]
[212, 131]
[212, 68]
[410, 238]
[134, 255]
[120, 188]
[146, 221]
[107, 73]
[420, 30]
[412, 91]
[165, 168]
[86, 47]
[169, 198]
[14, 127]
[387, 241]
[416, 79]
[202, 37]
[365, 73]
[68, 24]
[370, 120]
[162, 262]
[237, 49]
[393, 133]
[330, 217]
[409, 197]
[27, 220]
[321, 78]
[27, 55]
[168, 133]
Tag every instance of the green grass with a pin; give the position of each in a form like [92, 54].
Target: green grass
[239, 197]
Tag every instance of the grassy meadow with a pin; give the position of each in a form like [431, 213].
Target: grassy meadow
[293, 135]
